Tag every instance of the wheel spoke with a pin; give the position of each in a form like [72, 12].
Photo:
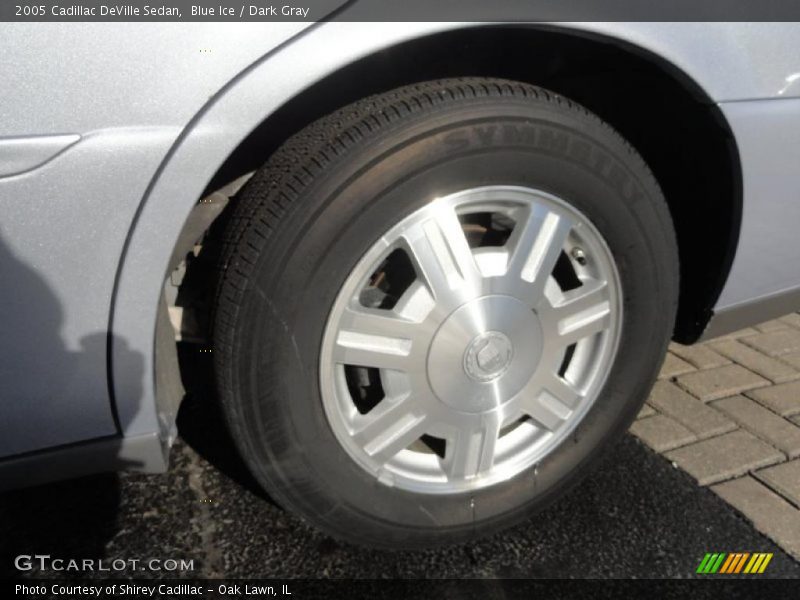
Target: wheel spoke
[561, 390]
[380, 323]
[591, 294]
[368, 350]
[390, 427]
[473, 449]
[441, 251]
[549, 403]
[584, 311]
[535, 246]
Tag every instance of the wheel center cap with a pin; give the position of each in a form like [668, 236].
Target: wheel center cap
[484, 353]
[488, 356]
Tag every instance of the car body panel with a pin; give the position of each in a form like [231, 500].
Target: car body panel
[62, 229]
[97, 222]
[729, 61]
[82, 77]
[766, 262]
[65, 219]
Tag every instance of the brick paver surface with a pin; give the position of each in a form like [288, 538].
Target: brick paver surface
[662, 433]
[713, 384]
[785, 479]
[724, 457]
[769, 512]
[784, 399]
[674, 366]
[766, 366]
[728, 413]
[700, 356]
[687, 410]
[792, 359]
[750, 415]
[775, 343]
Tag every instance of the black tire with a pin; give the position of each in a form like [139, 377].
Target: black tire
[320, 201]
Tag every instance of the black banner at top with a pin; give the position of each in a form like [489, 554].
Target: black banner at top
[399, 10]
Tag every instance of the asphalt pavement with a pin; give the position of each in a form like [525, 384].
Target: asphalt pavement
[635, 517]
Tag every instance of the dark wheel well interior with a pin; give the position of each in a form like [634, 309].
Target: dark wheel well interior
[671, 122]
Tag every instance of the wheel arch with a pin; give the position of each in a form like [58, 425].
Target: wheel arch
[265, 104]
[687, 141]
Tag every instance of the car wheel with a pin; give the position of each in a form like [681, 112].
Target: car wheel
[437, 306]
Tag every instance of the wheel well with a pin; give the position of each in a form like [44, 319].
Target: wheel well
[677, 129]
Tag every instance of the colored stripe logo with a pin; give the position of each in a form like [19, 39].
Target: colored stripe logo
[732, 563]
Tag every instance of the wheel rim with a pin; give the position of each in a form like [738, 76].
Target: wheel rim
[470, 339]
